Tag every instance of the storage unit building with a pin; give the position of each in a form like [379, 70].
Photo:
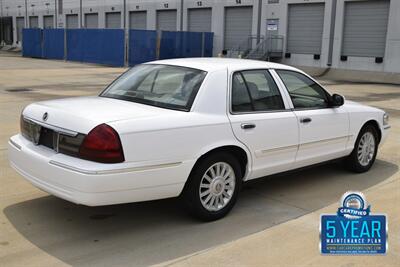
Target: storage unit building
[238, 26]
[72, 21]
[166, 20]
[33, 22]
[48, 22]
[305, 28]
[20, 26]
[199, 19]
[113, 20]
[365, 28]
[138, 20]
[91, 21]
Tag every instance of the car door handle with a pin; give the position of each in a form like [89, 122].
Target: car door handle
[246, 126]
[305, 120]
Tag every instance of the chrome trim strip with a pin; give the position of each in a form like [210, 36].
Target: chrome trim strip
[115, 171]
[387, 127]
[272, 150]
[15, 144]
[327, 140]
[278, 149]
[52, 127]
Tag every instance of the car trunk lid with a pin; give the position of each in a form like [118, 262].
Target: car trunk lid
[82, 114]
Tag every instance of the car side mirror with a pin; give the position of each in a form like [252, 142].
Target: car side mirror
[337, 100]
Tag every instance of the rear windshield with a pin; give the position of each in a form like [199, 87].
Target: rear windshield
[158, 85]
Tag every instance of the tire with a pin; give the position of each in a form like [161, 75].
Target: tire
[359, 164]
[218, 187]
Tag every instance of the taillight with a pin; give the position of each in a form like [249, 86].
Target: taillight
[102, 144]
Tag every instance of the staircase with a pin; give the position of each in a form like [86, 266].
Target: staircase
[269, 49]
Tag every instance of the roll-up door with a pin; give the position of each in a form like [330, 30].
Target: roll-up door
[305, 28]
[199, 20]
[138, 20]
[113, 20]
[72, 21]
[166, 20]
[91, 21]
[365, 27]
[20, 26]
[33, 22]
[238, 24]
[48, 22]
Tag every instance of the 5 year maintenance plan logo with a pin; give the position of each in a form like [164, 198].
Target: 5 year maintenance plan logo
[353, 230]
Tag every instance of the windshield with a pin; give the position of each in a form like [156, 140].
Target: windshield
[158, 85]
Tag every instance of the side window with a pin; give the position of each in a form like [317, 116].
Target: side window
[255, 90]
[241, 101]
[304, 92]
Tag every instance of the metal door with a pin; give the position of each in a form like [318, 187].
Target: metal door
[138, 20]
[199, 19]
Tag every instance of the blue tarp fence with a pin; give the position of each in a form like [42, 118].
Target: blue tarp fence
[185, 44]
[53, 43]
[101, 46]
[142, 46]
[32, 45]
[108, 46]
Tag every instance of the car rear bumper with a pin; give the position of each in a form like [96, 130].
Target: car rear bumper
[96, 184]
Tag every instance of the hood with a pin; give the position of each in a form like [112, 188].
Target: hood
[81, 114]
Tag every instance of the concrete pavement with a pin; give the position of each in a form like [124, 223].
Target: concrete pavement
[274, 222]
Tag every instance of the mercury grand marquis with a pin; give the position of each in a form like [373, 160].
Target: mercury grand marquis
[194, 128]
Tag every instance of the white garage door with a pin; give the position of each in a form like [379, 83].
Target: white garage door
[92, 21]
[33, 22]
[305, 28]
[238, 24]
[365, 27]
[48, 22]
[138, 20]
[72, 21]
[20, 26]
[166, 20]
[199, 20]
[113, 20]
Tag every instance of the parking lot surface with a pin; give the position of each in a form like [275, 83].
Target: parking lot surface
[275, 220]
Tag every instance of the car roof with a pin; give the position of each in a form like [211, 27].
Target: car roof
[214, 63]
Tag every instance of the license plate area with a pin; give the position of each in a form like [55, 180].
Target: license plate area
[48, 138]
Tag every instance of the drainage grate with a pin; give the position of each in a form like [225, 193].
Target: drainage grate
[17, 90]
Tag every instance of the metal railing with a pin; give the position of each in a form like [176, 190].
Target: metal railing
[271, 47]
[245, 47]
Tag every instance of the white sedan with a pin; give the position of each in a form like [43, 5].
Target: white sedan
[194, 128]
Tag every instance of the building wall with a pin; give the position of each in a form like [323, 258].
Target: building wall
[280, 11]
[391, 60]
[262, 11]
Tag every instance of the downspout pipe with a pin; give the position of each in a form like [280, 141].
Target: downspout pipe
[332, 33]
[181, 19]
[55, 14]
[26, 14]
[81, 11]
[260, 2]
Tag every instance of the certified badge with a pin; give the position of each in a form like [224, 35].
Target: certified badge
[353, 229]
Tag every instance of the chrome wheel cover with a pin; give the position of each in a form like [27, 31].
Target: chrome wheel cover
[217, 186]
[366, 149]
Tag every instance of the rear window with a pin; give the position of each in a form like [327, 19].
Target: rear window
[163, 86]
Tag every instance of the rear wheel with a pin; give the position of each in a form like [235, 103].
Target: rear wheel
[365, 149]
[213, 187]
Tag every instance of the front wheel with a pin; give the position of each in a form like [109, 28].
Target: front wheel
[365, 149]
[213, 187]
